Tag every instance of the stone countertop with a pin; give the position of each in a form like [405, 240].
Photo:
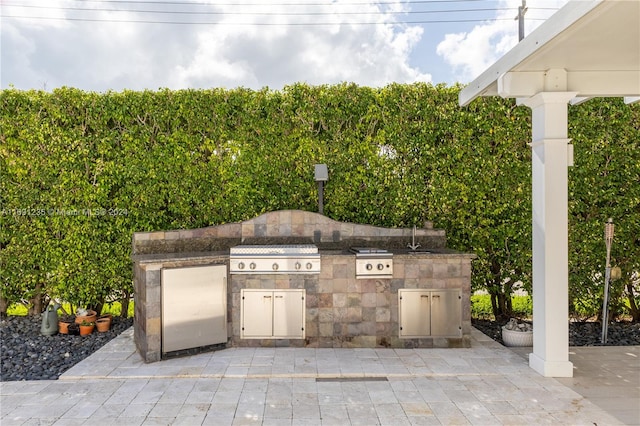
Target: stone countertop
[175, 257]
[438, 252]
[432, 253]
[224, 254]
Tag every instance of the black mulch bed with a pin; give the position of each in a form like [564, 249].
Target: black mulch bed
[28, 355]
[624, 333]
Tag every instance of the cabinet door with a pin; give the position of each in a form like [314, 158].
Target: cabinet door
[257, 314]
[446, 308]
[194, 307]
[288, 314]
[415, 313]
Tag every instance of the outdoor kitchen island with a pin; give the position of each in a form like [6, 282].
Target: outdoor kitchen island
[296, 278]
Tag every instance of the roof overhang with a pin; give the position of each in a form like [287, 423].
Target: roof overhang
[591, 47]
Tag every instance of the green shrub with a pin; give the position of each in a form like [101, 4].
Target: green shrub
[481, 306]
[80, 172]
[114, 308]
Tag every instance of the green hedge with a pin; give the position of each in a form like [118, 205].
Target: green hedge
[81, 171]
[481, 306]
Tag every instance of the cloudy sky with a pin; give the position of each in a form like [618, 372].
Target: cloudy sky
[102, 45]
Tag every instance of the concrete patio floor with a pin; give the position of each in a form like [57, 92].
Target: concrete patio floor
[485, 384]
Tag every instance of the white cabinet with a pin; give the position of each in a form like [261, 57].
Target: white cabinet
[194, 307]
[430, 313]
[275, 314]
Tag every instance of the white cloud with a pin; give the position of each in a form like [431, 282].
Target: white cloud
[473, 52]
[470, 53]
[277, 55]
[237, 52]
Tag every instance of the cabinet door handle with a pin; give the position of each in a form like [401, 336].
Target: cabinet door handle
[267, 297]
[279, 297]
[436, 295]
[224, 297]
[425, 295]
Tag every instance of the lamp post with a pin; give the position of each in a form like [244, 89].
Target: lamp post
[321, 175]
[608, 239]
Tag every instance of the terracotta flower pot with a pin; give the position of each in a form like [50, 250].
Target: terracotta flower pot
[91, 316]
[103, 324]
[63, 326]
[86, 330]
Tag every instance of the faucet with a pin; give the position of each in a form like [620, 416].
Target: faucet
[412, 245]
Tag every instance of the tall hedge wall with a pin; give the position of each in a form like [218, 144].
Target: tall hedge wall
[81, 171]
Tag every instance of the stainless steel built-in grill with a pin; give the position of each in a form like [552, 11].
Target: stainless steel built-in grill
[274, 259]
[373, 262]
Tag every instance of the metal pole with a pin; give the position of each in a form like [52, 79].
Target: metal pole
[608, 239]
[521, 11]
[320, 197]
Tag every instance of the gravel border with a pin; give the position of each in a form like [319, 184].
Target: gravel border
[580, 333]
[26, 354]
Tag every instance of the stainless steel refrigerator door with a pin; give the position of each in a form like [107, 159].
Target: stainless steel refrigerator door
[194, 307]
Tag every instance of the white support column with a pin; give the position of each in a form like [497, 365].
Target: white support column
[550, 160]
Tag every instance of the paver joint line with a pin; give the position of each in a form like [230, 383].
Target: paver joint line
[351, 379]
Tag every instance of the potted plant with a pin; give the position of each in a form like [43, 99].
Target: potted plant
[86, 327]
[517, 333]
[87, 315]
[64, 321]
[63, 325]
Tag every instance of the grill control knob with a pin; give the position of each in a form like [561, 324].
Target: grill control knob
[252, 265]
[275, 266]
[380, 266]
[298, 265]
[309, 265]
[369, 266]
[241, 265]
